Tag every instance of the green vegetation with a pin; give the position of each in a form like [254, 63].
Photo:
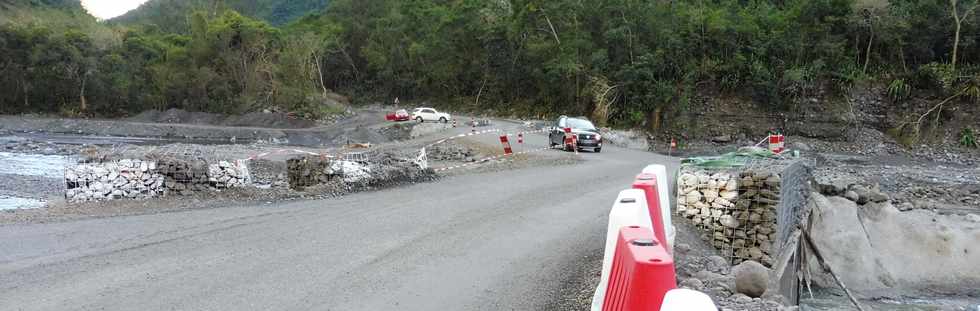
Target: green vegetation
[968, 138]
[172, 15]
[625, 62]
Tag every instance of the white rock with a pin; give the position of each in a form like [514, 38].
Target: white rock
[688, 180]
[728, 221]
[728, 195]
[712, 184]
[732, 186]
[693, 196]
[710, 195]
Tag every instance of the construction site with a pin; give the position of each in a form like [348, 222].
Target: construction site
[755, 230]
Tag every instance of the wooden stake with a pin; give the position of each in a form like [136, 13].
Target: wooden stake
[823, 263]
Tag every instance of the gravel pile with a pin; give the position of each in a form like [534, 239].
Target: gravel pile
[451, 151]
[26, 145]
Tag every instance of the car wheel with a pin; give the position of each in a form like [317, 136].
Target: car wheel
[443, 120]
[419, 119]
[598, 150]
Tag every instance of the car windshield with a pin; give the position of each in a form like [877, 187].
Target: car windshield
[580, 124]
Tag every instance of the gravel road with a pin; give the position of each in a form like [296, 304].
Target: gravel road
[504, 240]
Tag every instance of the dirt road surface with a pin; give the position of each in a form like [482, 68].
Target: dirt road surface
[502, 240]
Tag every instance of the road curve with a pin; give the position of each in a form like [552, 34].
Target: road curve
[493, 241]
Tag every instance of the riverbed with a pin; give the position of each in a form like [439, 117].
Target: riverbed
[30, 180]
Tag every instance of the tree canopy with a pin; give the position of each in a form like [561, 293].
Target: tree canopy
[626, 62]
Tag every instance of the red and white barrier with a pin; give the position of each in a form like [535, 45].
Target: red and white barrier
[648, 183]
[777, 143]
[663, 195]
[638, 266]
[630, 209]
[504, 141]
[642, 272]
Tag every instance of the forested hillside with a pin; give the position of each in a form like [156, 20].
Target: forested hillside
[628, 62]
[171, 15]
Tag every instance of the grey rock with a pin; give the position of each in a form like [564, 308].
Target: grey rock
[722, 139]
[682, 248]
[751, 278]
[800, 146]
[742, 298]
[717, 264]
[692, 283]
[877, 197]
[905, 206]
[862, 192]
[851, 195]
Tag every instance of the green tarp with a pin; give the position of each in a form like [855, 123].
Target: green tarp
[732, 159]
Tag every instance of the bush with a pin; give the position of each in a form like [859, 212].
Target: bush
[968, 138]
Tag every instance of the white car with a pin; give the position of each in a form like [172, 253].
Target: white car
[429, 114]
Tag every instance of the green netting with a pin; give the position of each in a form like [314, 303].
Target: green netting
[732, 159]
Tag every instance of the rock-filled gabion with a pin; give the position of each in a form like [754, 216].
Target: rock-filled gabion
[226, 174]
[184, 177]
[114, 180]
[307, 171]
[735, 208]
[268, 174]
[140, 179]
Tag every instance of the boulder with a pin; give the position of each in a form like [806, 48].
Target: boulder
[722, 139]
[851, 195]
[862, 192]
[877, 197]
[751, 278]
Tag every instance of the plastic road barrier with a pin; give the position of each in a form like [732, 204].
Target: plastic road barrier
[506, 143]
[683, 299]
[630, 209]
[663, 194]
[642, 272]
[648, 182]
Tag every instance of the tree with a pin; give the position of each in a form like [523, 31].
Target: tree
[958, 19]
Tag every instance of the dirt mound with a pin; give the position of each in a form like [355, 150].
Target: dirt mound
[252, 119]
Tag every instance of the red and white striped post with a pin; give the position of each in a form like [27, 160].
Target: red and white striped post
[506, 143]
